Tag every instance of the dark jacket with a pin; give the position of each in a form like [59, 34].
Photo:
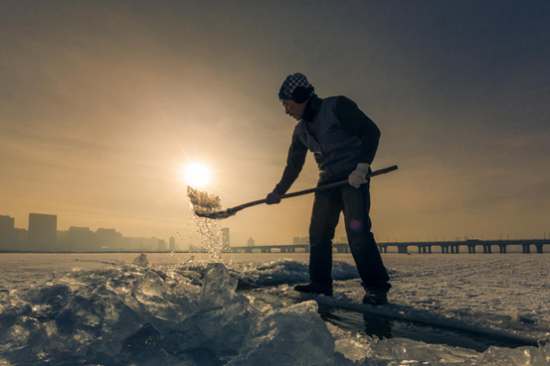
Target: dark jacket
[352, 120]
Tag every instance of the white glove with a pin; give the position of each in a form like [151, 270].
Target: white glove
[359, 175]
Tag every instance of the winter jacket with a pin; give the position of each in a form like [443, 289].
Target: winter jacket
[340, 136]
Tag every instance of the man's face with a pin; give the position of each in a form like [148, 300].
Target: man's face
[293, 109]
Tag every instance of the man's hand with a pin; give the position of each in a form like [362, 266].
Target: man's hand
[272, 198]
[358, 176]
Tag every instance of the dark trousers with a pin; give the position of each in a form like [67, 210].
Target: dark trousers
[355, 203]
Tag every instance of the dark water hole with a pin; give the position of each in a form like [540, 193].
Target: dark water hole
[385, 327]
[381, 326]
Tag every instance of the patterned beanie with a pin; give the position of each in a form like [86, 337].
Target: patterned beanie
[297, 88]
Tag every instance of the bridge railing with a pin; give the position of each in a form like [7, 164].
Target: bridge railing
[446, 247]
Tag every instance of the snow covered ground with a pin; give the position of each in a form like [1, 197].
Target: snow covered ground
[101, 309]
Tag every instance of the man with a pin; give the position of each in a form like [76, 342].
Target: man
[344, 142]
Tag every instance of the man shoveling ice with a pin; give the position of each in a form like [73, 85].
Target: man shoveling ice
[344, 142]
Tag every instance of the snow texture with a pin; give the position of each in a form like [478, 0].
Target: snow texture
[149, 312]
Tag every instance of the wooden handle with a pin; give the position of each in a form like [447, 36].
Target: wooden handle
[312, 190]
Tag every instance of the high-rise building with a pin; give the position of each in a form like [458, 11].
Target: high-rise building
[7, 233]
[108, 239]
[250, 242]
[225, 238]
[296, 240]
[161, 247]
[21, 239]
[172, 243]
[81, 239]
[143, 244]
[42, 232]
[304, 240]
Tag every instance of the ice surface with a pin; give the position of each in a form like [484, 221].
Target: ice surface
[520, 356]
[192, 314]
[409, 350]
[365, 350]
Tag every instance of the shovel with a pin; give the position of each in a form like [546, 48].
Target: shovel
[232, 211]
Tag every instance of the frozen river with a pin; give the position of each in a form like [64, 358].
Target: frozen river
[102, 309]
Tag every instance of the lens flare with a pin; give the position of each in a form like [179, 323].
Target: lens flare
[197, 175]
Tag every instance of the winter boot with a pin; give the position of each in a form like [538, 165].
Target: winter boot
[314, 288]
[374, 297]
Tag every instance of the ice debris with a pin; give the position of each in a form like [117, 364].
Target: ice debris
[141, 260]
[285, 271]
[193, 315]
[291, 336]
[202, 204]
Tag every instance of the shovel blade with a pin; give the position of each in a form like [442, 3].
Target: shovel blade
[216, 215]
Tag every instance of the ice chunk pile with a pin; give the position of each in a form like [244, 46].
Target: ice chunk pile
[291, 336]
[140, 315]
[191, 315]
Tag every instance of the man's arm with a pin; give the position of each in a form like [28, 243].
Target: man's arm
[355, 121]
[296, 157]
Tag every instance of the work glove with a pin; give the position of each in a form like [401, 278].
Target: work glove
[272, 198]
[359, 175]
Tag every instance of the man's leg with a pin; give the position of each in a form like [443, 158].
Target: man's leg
[356, 206]
[324, 219]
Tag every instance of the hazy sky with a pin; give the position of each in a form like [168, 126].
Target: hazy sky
[102, 103]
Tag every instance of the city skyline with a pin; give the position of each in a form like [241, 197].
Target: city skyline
[153, 243]
[43, 234]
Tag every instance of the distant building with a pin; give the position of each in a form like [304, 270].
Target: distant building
[296, 240]
[125, 243]
[7, 233]
[143, 244]
[161, 247]
[196, 249]
[80, 239]
[172, 243]
[343, 239]
[250, 242]
[304, 240]
[42, 232]
[226, 240]
[107, 239]
[21, 239]
[154, 243]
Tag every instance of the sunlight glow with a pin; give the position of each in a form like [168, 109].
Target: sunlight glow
[197, 175]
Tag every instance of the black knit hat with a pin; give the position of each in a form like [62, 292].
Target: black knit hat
[297, 88]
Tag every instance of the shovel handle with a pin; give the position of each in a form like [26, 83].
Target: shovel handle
[312, 190]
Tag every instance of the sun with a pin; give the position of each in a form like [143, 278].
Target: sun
[196, 175]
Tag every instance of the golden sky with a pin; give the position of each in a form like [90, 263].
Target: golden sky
[102, 104]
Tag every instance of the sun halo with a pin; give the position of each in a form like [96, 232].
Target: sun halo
[196, 175]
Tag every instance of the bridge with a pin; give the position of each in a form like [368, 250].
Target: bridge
[447, 247]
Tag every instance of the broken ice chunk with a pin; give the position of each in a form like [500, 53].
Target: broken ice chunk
[218, 287]
[291, 336]
[141, 260]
